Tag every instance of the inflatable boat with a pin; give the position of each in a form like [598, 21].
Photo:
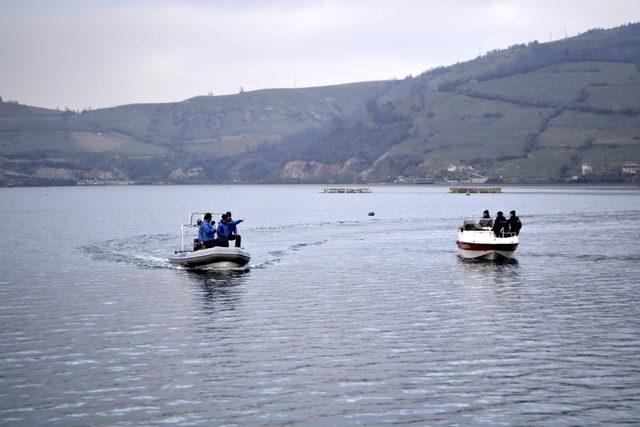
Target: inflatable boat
[218, 257]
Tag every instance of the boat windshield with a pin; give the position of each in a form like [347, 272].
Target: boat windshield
[472, 224]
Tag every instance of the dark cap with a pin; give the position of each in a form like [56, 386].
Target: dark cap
[513, 213]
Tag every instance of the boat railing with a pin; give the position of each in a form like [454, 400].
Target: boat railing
[191, 223]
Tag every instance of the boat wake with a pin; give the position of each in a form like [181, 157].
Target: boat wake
[151, 250]
[144, 251]
[587, 257]
[278, 254]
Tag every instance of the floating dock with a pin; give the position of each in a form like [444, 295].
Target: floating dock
[344, 190]
[475, 190]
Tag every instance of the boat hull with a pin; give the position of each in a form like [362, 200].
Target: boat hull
[215, 257]
[486, 254]
[485, 245]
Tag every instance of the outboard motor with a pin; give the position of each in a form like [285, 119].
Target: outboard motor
[196, 244]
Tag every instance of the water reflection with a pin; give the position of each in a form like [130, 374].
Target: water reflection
[220, 290]
[497, 265]
[492, 287]
[498, 272]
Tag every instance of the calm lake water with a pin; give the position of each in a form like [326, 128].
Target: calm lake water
[341, 318]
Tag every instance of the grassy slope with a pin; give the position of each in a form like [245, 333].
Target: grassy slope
[487, 124]
[465, 124]
[603, 139]
[148, 141]
[532, 112]
[33, 132]
[224, 125]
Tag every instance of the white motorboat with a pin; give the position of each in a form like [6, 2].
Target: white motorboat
[219, 257]
[477, 242]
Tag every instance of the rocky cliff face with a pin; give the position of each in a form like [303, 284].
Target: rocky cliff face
[299, 170]
[312, 171]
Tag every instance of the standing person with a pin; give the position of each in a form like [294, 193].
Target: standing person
[223, 231]
[486, 220]
[514, 223]
[232, 231]
[207, 232]
[500, 224]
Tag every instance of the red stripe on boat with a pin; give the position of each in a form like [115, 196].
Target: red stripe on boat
[506, 247]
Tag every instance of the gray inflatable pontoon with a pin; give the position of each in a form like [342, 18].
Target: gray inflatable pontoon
[215, 257]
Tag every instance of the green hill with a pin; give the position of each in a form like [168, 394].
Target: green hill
[530, 113]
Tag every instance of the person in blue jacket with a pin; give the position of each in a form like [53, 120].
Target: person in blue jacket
[207, 232]
[232, 231]
[223, 231]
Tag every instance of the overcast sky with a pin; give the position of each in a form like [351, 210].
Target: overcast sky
[108, 52]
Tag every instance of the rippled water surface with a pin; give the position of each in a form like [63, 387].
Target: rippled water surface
[341, 318]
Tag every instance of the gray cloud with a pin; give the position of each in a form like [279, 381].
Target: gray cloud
[103, 53]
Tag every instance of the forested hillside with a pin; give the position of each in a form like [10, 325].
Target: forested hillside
[530, 113]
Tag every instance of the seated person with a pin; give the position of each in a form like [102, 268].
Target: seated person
[223, 231]
[486, 220]
[514, 223]
[232, 232]
[207, 232]
[500, 224]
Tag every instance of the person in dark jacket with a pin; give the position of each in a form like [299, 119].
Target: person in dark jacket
[486, 220]
[207, 232]
[500, 224]
[232, 231]
[514, 223]
[223, 231]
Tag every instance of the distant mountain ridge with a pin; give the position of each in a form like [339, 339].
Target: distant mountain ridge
[531, 113]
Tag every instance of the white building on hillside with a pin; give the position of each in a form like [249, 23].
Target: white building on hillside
[630, 168]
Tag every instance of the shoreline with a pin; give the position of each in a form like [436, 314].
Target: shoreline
[321, 185]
